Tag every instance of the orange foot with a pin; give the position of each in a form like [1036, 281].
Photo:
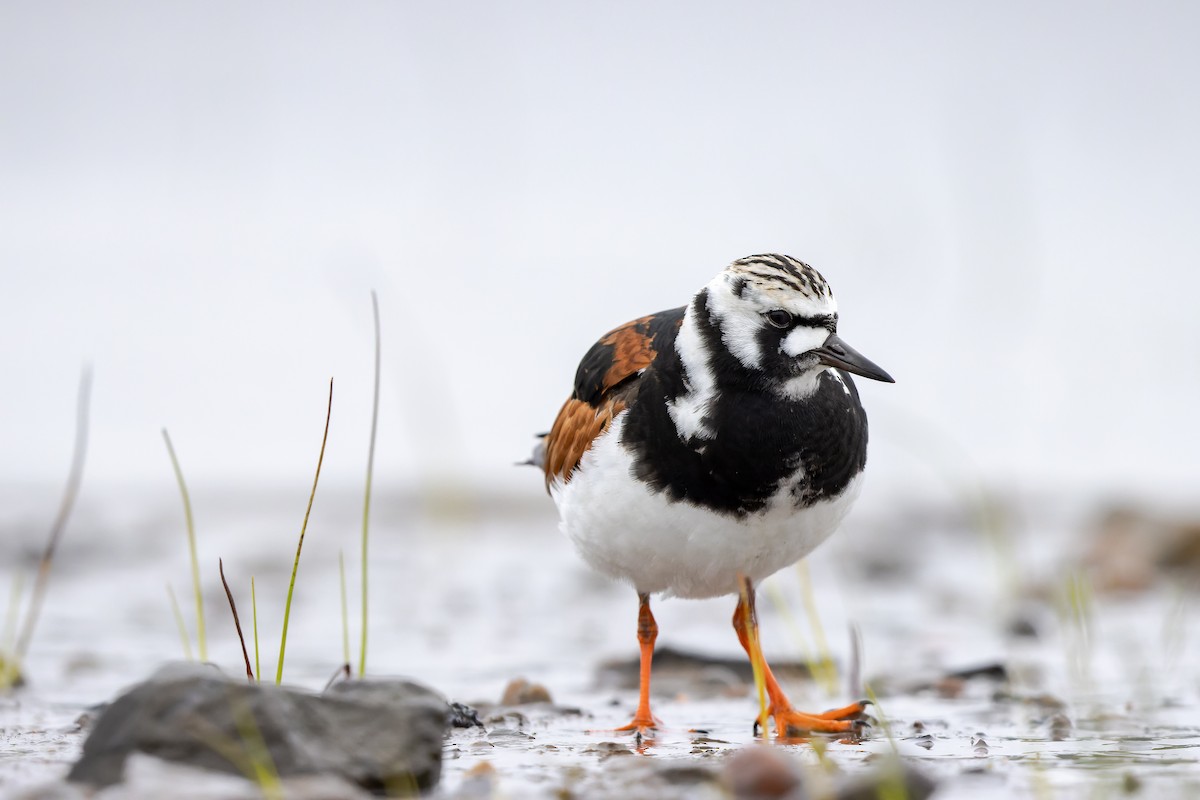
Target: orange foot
[790, 723]
[644, 725]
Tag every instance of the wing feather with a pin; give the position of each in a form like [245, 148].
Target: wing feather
[604, 387]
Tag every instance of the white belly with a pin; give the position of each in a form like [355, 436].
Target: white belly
[626, 531]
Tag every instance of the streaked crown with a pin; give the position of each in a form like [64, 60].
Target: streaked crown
[778, 275]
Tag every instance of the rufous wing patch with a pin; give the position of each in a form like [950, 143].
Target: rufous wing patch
[604, 386]
[576, 427]
[632, 350]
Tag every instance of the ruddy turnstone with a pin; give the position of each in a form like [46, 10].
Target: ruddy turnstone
[706, 447]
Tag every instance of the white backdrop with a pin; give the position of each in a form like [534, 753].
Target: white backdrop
[198, 197]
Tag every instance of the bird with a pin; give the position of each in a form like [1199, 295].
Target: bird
[706, 447]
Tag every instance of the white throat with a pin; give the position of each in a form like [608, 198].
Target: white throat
[805, 385]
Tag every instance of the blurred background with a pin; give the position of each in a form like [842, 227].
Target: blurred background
[197, 199]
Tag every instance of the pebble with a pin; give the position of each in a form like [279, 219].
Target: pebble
[520, 692]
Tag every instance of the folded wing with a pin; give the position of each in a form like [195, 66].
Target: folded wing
[605, 385]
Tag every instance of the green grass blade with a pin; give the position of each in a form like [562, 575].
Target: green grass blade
[892, 785]
[823, 669]
[366, 520]
[201, 637]
[254, 613]
[12, 614]
[9, 673]
[74, 479]
[345, 615]
[179, 623]
[785, 610]
[287, 606]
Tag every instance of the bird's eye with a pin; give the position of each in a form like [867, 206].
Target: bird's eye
[779, 318]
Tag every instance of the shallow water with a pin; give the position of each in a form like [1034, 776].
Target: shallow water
[468, 592]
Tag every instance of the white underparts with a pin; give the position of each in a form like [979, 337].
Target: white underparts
[627, 531]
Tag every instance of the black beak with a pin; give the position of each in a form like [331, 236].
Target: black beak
[836, 353]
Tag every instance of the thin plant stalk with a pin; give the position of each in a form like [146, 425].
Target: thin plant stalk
[785, 610]
[287, 606]
[854, 681]
[254, 614]
[821, 776]
[11, 616]
[9, 671]
[342, 672]
[179, 623]
[366, 520]
[892, 786]
[237, 623]
[201, 637]
[823, 668]
[883, 719]
[345, 615]
[74, 479]
[1076, 609]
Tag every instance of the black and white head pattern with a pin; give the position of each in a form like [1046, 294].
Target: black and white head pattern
[754, 323]
[771, 306]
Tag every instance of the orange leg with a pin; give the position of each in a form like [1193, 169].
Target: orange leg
[788, 721]
[643, 721]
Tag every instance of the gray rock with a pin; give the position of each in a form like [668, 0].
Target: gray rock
[696, 675]
[380, 734]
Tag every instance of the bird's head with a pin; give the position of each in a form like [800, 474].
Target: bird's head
[778, 319]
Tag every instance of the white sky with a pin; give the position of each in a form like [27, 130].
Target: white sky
[198, 197]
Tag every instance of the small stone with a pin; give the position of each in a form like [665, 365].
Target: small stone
[508, 719]
[606, 750]
[1130, 783]
[1060, 727]
[891, 779]
[760, 772]
[479, 781]
[461, 715]
[521, 692]
[925, 740]
[508, 733]
[1022, 627]
[685, 774]
[1046, 702]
